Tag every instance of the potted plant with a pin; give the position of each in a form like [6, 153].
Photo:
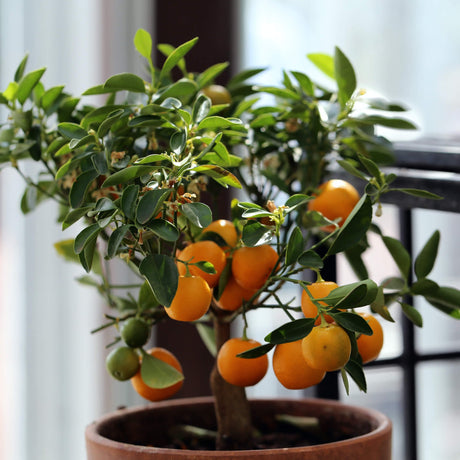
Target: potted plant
[141, 170]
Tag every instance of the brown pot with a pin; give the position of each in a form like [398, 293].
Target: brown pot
[119, 436]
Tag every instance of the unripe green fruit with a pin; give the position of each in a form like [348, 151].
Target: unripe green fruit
[122, 363]
[135, 332]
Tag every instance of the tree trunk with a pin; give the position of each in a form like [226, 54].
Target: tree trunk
[233, 415]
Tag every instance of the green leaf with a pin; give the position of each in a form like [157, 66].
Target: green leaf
[353, 295]
[174, 58]
[201, 108]
[111, 119]
[353, 322]
[446, 299]
[311, 260]
[279, 92]
[291, 331]
[94, 118]
[296, 200]
[150, 204]
[29, 200]
[74, 216]
[255, 234]
[178, 141]
[412, 314]
[128, 201]
[220, 175]
[354, 228]
[21, 68]
[395, 123]
[143, 43]
[355, 370]
[242, 76]
[294, 247]
[207, 77]
[146, 298]
[181, 90]
[164, 229]
[72, 130]
[344, 75]
[161, 273]
[216, 123]
[125, 82]
[154, 158]
[50, 96]
[85, 236]
[88, 255]
[350, 168]
[198, 214]
[127, 175]
[208, 337]
[304, 82]
[80, 187]
[424, 286]
[157, 374]
[10, 92]
[418, 193]
[379, 306]
[324, 62]
[115, 240]
[256, 352]
[27, 84]
[400, 255]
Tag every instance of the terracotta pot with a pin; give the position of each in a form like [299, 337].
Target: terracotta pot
[121, 435]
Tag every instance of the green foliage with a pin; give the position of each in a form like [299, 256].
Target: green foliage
[139, 173]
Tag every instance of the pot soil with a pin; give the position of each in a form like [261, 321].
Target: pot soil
[146, 433]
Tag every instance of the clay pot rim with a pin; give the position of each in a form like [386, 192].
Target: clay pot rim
[383, 426]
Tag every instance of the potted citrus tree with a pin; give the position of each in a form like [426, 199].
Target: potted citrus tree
[140, 171]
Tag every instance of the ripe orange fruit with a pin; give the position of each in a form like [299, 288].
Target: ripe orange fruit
[234, 295]
[317, 290]
[252, 266]
[158, 394]
[203, 251]
[327, 348]
[218, 94]
[192, 300]
[336, 199]
[225, 229]
[291, 369]
[369, 346]
[238, 371]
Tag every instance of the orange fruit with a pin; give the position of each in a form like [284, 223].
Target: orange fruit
[192, 300]
[203, 251]
[369, 346]
[252, 266]
[218, 94]
[327, 348]
[291, 369]
[317, 290]
[238, 371]
[225, 229]
[158, 394]
[234, 295]
[336, 199]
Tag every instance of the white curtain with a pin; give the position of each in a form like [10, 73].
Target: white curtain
[52, 375]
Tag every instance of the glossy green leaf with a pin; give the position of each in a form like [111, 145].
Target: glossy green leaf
[115, 240]
[220, 175]
[72, 130]
[305, 83]
[150, 204]
[18, 74]
[294, 247]
[154, 158]
[111, 119]
[296, 200]
[424, 286]
[208, 337]
[412, 314]
[29, 199]
[216, 123]
[157, 374]
[256, 352]
[350, 168]
[395, 123]
[161, 273]
[344, 75]
[242, 76]
[178, 141]
[127, 175]
[279, 92]
[164, 229]
[143, 43]
[353, 295]
[201, 108]
[81, 186]
[181, 90]
[291, 331]
[446, 299]
[255, 234]
[400, 255]
[50, 96]
[85, 236]
[311, 260]
[74, 216]
[126, 82]
[323, 62]
[77, 143]
[10, 92]
[354, 228]
[207, 77]
[146, 298]
[199, 214]
[355, 370]
[129, 201]
[419, 193]
[173, 59]
[379, 306]
[98, 89]
[27, 84]
[94, 118]
[353, 322]
[88, 255]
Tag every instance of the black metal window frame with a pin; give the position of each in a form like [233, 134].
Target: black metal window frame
[430, 165]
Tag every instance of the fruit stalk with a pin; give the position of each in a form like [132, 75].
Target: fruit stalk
[234, 424]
